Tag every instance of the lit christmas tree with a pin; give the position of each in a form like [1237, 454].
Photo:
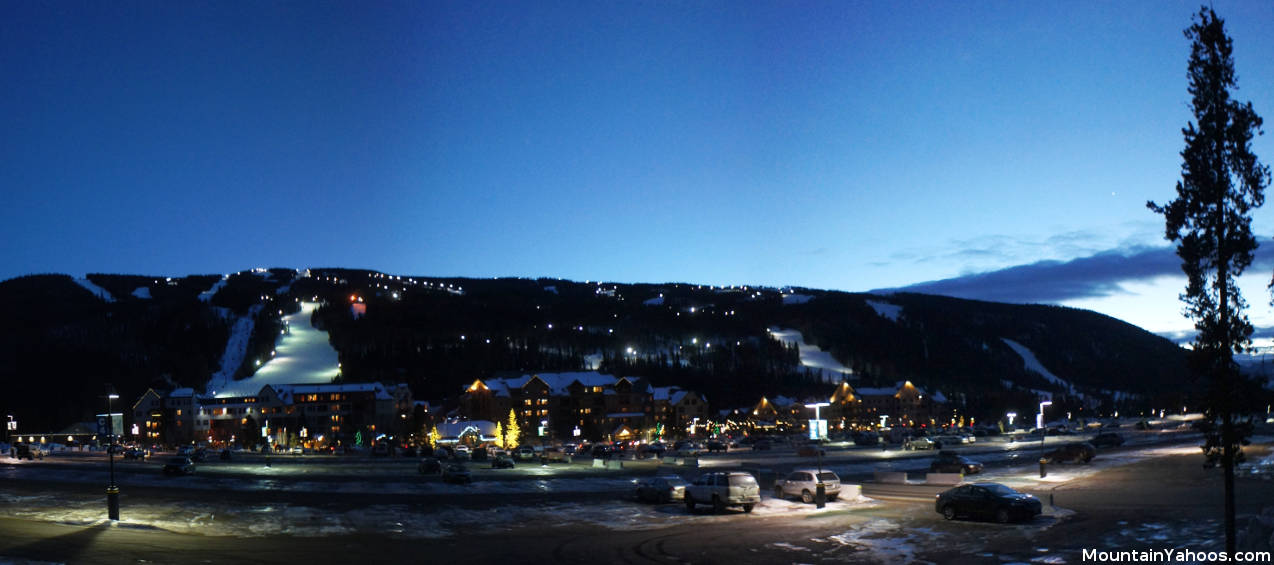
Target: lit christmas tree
[512, 432]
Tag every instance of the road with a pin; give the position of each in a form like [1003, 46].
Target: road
[1163, 501]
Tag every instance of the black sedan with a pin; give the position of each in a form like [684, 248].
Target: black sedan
[662, 489]
[456, 473]
[1108, 439]
[179, 466]
[429, 466]
[950, 462]
[987, 500]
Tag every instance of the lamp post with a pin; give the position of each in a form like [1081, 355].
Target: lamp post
[1039, 425]
[112, 491]
[816, 432]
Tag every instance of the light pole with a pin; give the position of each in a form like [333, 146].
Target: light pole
[112, 491]
[816, 433]
[1039, 425]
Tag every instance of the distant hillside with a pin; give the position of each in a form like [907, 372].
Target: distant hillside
[64, 339]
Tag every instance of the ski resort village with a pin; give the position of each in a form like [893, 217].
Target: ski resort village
[843, 459]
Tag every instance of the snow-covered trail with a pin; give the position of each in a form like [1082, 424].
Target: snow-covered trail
[302, 356]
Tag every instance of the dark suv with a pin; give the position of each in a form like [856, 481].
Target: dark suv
[1071, 453]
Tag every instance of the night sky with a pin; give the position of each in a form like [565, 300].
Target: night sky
[997, 150]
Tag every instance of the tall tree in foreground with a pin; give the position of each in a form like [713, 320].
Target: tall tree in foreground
[1210, 220]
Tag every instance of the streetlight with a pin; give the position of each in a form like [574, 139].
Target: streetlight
[112, 491]
[818, 430]
[1039, 425]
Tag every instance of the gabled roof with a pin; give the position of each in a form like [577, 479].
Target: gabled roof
[558, 383]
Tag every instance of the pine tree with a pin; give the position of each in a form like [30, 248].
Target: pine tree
[512, 432]
[433, 437]
[499, 435]
[1221, 183]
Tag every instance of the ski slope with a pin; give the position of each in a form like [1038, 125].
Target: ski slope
[302, 356]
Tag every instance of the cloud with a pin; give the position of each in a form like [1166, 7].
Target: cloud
[1095, 276]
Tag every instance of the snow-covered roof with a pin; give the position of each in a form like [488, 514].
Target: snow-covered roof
[558, 383]
[677, 396]
[664, 392]
[287, 392]
[182, 393]
[454, 429]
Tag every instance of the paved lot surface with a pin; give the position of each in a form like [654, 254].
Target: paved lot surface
[1165, 501]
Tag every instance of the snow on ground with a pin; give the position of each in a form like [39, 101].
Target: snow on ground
[236, 350]
[142, 292]
[303, 356]
[796, 298]
[886, 310]
[886, 540]
[1033, 364]
[812, 356]
[96, 290]
[656, 301]
[208, 294]
[217, 518]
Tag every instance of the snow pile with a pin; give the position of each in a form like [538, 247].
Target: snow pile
[208, 294]
[142, 292]
[812, 356]
[887, 541]
[789, 299]
[1033, 364]
[96, 290]
[886, 310]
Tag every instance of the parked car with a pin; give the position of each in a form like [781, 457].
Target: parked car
[921, 442]
[602, 450]
[456, 473]
[950, 462]
[1071, 453]
[866, 439]
[804, 483]
[179, 466]
[1107, 439]
[463, 452]
[717, 446]
[987, 500]
[31, 451]
[429, 466]
[723, 489]
[950, 440]
[136, 453]
[687, 448]
[656, 449]
[554, 455]
[665, 488]
[298, 450]
[502, 461]
[527, 453]
[811, 450]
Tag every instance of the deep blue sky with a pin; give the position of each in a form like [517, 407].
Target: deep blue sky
[845, 145]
